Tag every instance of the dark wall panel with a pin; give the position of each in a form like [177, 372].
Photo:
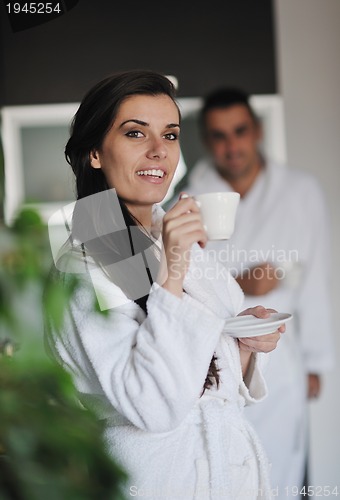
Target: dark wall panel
[203, 46]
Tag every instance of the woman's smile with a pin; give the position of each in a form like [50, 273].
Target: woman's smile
[154, 175]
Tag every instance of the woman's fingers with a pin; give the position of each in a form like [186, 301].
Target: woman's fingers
[183, 224]
[178, 230]
[257, 311]
[262, 343]
[183, 206]
[282, 328]
[183, 219]
[262, 312]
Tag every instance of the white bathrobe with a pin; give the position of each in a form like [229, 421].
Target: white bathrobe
[282, 217]
[144, 376]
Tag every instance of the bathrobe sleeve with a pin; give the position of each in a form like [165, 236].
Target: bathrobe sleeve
[151, 369]
[253, 386]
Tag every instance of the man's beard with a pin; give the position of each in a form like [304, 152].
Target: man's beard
[234, 174]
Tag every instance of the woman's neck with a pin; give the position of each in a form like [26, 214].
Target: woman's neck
[142, 214]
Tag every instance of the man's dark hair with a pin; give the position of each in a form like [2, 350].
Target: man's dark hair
[223, 98]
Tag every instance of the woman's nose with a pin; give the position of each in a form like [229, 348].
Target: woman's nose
[157, 148]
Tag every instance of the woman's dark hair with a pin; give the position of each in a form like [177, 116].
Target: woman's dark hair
[95, 117]
[89, 127]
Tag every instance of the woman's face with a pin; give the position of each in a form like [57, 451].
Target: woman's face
[140, 153]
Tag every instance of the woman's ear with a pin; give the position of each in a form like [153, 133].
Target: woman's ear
[94, 159]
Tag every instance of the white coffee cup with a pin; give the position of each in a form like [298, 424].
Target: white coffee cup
[218, 213]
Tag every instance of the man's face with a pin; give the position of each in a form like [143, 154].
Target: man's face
[232, 137]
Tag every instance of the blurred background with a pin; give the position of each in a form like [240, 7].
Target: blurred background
[283, 48]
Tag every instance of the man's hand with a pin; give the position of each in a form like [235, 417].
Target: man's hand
[313, 385]
[258, 280]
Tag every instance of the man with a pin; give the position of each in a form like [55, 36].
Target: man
[280, 255]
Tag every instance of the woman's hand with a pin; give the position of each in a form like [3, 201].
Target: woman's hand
[182, 226]
[262, 343]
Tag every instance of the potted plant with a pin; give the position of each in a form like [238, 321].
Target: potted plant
[50, 446]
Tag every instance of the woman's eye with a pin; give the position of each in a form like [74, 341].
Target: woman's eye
[134, 133]
[171, 136]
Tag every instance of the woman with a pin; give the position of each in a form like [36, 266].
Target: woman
[157, 367]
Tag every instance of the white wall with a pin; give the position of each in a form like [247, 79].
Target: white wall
[308, 55]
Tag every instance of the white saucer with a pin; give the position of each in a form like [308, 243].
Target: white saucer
[250, 326]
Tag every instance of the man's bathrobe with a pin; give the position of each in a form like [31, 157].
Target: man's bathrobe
[283, 219]
[144, 376]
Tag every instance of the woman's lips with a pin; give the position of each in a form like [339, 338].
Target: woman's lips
[153, 176]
